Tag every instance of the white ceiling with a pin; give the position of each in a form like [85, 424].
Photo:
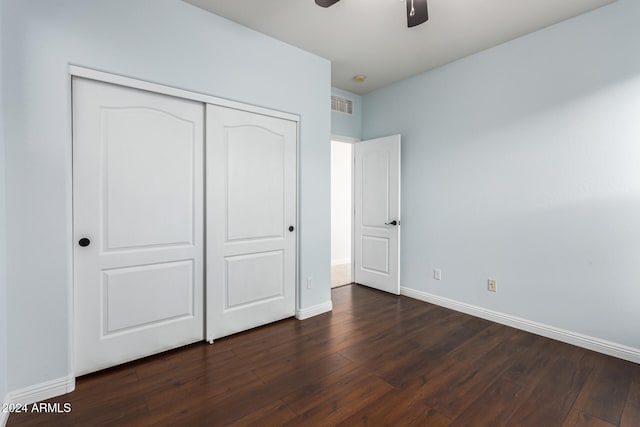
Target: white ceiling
[371, 36]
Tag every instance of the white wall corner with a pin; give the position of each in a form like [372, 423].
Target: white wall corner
[591, 343]
[305, 313]
[42, 391]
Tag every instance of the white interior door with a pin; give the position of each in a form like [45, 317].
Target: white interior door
[251, 220]
[377, 213]
[138, 223]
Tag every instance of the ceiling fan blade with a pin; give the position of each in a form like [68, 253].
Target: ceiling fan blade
[416, 12]
[326, 3]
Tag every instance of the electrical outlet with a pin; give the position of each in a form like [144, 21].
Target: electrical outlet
[309, 282]
[492, 285]
[437, 274]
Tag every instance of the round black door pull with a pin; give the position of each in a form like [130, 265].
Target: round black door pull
[84, 242]
[291, 228]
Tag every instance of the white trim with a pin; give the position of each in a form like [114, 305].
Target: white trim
[37, 393]
[345, 139]
[341, 261]
[4, 416]
[42, 391]
[298, 222]
[592, 343]
[91, 74]
[353, 213]
[70, 230]
[306, 313]
[352, 141]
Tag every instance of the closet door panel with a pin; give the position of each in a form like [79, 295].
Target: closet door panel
[138, 207]
[251, 220]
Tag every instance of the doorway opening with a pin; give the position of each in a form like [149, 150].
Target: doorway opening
[341, 213]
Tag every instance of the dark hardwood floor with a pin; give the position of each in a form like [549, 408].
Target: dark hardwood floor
[377, 360]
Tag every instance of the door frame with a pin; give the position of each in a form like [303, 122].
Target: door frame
[106, 77]
[353, 142]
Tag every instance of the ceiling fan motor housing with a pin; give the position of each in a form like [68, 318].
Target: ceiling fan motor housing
[417, 12]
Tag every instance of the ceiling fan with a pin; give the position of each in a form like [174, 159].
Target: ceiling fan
[416, 10]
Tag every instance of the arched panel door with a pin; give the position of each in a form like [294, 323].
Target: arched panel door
[251, 220]
[138, 223]
[377, 213]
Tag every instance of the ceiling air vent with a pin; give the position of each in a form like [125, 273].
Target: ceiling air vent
[341, 105]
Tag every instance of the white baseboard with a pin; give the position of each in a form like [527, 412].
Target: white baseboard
[42, 391]
[340, 261]
[4, 416]
[36, 393]
[596, 344]
[315, 310]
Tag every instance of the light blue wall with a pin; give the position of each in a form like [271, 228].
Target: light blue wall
[344, 124]
[163, 41]
[3, 266]
[522, 163]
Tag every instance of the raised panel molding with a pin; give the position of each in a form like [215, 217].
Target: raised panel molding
[136, 141]
[255, 182]
[375, 254]
[266, 267]
[372, 196]
[127, 289]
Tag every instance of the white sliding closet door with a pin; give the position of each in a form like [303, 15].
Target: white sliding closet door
[251, 220]
[138, 223]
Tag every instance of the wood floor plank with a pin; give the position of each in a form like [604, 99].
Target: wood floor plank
[305, 398]
[580, 419]
[481, 343]
[377, 359]
[429, 417]
[115, 412]
[398, 408]
[451, 385]
[201, 389]
[631, 412]
[339, 403]
[236, 405]
[531, 364]
[466, 384]
[272, 415]
[553, 397]
[494, 407]
[604, 396]
[434, 343]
